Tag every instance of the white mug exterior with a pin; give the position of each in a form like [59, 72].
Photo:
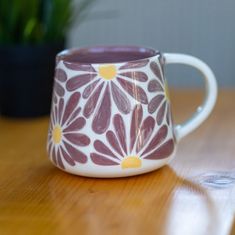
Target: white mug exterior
[108, 149]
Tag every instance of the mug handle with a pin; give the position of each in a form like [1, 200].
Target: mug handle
[205, 109]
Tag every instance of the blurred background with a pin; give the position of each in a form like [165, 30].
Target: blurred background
[33, 31]
[203, 28]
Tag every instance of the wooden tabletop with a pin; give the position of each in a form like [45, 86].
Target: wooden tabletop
[194, 195]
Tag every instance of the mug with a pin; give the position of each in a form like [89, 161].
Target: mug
[111, 114]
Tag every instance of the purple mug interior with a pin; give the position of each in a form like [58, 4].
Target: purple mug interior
[106, 54]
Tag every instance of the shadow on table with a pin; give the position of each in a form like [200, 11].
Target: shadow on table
[155, 203]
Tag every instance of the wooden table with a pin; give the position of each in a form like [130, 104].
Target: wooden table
[194, 195]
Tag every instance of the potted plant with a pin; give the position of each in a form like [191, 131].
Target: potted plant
[32, 32]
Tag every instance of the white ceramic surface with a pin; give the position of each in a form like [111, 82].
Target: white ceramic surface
[114, 119]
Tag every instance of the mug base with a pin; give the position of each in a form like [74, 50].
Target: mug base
[116, 171]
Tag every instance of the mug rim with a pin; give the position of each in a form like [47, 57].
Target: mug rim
[120, 53]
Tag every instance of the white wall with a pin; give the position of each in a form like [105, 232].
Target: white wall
[203, 28]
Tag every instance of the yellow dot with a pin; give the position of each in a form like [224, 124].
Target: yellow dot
[57, 134]
[107, 72]
[131, 162]
[167, 93]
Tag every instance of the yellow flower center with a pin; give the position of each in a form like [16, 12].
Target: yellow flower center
[57, 134]
[167, 93]
[107, 72]
[131, 162]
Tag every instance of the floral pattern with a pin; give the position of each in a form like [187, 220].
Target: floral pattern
[144, 142]
[90, 108]
[107, 83]
[64, 135]
[161, 100]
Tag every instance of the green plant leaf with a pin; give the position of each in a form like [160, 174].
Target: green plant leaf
[36, 21]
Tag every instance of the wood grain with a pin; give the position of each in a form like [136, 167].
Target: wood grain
[195, 194]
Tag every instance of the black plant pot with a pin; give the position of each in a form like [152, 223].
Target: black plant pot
[26, 79]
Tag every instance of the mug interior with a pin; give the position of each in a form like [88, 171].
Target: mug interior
[106, 54]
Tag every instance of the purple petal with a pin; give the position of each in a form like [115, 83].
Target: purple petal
[145, 133]
[156, 70]
[136, 75]
[59, 160]
[102, 160]
[160, 113]
[70, 106]
[163, 151]
[54, 158]
[77, 124]
[159, 137]
[154, 103]
[79, 81]
[79, 67]
[78, 139]
[76, 155]
[60, 109]
[154, 85]
[135, 91]
[88, 90]
[54, 98]
[102, 116]
[60, 75]
[136, 119]
[59, 90]
[112, 139]
[102, 148]
[50, 143]
[53, 115]
[74, 115]
[120, 131]
[135, 64]
[120, 99]
[167, 114]
[67, 158]
[92, 101]
[50, 146]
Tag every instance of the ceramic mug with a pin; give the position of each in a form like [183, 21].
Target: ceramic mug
[110, 114]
